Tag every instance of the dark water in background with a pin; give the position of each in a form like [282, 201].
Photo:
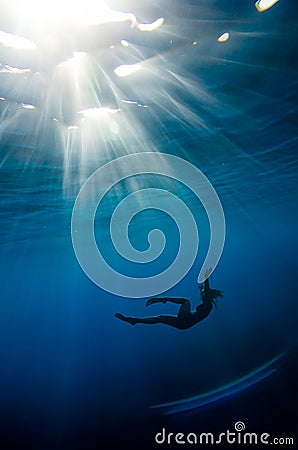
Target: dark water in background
[72, 376]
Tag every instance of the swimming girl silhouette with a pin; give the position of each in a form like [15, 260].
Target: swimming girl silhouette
[185, 318]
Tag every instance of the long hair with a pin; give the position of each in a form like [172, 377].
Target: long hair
[216, 294]
[212, 295]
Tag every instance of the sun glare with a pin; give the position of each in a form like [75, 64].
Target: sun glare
[151, 26]
[97, 113]
[224, 37]
[127, 69]
[17, 42]
[263, 5]
[57, 12]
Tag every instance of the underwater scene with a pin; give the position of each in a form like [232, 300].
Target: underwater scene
[149, 220]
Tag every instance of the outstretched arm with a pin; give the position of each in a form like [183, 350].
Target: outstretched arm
[207, 273]
[206, 284]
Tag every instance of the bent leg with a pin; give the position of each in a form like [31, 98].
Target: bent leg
[157, 300]
[177, 300]
[184, 310]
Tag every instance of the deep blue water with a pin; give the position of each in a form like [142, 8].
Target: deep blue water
[71, 375]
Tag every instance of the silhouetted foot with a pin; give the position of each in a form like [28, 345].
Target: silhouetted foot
[130, 320]
[155, 300]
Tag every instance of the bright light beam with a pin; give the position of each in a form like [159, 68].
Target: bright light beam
[17, 42]
[87, 12]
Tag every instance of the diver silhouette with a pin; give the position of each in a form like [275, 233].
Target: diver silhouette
[185, 318]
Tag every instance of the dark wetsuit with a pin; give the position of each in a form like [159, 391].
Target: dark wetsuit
[185, 318]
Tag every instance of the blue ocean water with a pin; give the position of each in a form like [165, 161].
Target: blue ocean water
[73, 376]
